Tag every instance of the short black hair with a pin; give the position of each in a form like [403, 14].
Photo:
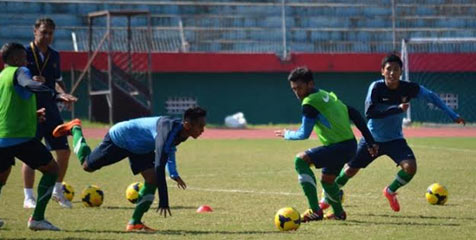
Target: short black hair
[194, 113]
[10, 49]
[302, 74]
[45, 21]
[392, 57]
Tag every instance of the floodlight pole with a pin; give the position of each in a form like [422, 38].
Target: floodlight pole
[90, 47]
[394, 40]
[149, 64]
[109, 96]
[283, 23]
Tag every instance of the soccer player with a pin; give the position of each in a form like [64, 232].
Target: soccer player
[331, 121]
[44, 62]
[385, 106]
[18, 123]
[149, 143]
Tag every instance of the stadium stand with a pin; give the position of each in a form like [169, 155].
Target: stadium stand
[256, 26]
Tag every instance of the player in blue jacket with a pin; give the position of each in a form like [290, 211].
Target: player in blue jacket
[150, 143]
[385, 106]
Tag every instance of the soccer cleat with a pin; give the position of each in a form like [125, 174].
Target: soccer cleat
[139, 227]
[392, 199]
[1, 223]
[41, 225]
[65, 128]
[310, 215]
[29, 203]
[332, 216]
[61, 200]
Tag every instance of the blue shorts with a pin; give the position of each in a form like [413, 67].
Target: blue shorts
[108, 153]
[33, 153]
[398, 150]
[333, 157]
[45, 129]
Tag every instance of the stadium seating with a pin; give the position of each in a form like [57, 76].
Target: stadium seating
[250, 26]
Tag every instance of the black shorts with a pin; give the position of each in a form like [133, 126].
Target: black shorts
[332, 158]
[33, 153]
[45, 129]
[108, 153]
[398, 150]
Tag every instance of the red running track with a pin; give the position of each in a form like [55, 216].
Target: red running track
[217, 133]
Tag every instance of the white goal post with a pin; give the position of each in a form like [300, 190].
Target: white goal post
[431, 45]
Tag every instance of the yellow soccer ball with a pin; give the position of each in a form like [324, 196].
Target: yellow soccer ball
[68, 191]
[132, 192]
[287, 219]
[436, 194]
[92, 196]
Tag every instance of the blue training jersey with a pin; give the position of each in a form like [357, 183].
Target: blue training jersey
[138, 136]
[385, 117]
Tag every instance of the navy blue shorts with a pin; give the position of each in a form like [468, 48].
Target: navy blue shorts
[333, 157]
[33, 153]
[108, 153]
[45, 129]
[398, 150]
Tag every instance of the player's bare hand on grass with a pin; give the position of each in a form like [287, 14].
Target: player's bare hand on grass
[460, 121]
[40, 79]
[404, 106]
[373, 150]
[41, 114]
[279, 133]
[180, 183]
[164, 210]
[68, 98]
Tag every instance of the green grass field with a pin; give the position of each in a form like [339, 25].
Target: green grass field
[247, 181]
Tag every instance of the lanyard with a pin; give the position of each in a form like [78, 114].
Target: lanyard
[37, 62]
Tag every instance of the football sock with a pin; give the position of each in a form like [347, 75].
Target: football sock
[332, 196]
[45, 188]
[401, 179]
[342, 179]
[146, 197]
[308, 182]
[28, 192]
[81, 149]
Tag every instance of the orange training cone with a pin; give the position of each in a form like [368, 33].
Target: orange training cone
[204, 209]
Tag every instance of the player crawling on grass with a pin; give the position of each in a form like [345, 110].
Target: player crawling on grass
[150, 143]
[385, 106]
[331, 121]
[18, 123]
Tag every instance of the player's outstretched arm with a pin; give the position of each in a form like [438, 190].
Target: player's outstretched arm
[172, 169]
[302, 133]
[359, 122]
[433, 98]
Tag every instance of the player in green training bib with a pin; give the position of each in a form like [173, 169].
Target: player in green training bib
[330, 119]
[18, 122]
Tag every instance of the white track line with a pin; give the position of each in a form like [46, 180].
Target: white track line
[443, 148]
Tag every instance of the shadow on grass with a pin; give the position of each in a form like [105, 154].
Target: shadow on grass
[177, 232]
[56, 238]
[417, 217]
[151, 207]
[357, 222]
